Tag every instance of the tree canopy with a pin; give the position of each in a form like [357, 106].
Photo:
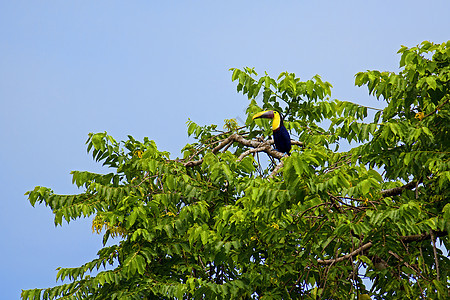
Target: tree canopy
[236, 219]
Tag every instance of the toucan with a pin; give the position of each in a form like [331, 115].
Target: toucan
[280, 134]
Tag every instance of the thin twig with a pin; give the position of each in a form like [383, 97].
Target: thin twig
[433, 241]
[405, 263]
[436, 109]
[312, 207]
[343, 203]
[204, 268]
[227, 146]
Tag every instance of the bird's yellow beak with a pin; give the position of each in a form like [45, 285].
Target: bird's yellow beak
[270, 114]
[267, 114]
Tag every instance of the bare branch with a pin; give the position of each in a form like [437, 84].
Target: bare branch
[398, 190]
[204, 268]
[277, 168]
[298, 143]
[250, 151]
[222, 144]
[257, 144]
[433, 241]
[332, 261]
[226, 147]
[421, 237]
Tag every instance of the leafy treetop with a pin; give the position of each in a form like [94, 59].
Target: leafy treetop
[318, 224]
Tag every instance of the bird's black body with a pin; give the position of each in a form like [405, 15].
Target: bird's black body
[282, 139]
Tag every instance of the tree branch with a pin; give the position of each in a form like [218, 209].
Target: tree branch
[256, 145]
[422, 236]
[253, 150]
[277, 168]
[433, 241]
[335, 260]
[398, 190]
[437, 108]
[222, 144]
[406, 239]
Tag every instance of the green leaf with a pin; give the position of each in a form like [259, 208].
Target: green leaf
[446, 211]
[131, 219]
[204, 235]
[140, 264]
[431, 82]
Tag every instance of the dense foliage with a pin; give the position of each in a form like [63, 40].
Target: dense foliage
[223, 222]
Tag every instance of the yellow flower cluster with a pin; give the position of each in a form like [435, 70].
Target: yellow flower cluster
[419, 116]
[137, 153]
[116, 230]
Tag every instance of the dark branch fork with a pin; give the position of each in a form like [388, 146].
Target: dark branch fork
[257, 146]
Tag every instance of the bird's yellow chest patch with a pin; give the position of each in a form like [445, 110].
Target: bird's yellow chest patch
[276, 120]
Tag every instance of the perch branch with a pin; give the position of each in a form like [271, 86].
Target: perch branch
[256, 145]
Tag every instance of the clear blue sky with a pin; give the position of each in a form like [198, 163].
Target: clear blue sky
[143, 68]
